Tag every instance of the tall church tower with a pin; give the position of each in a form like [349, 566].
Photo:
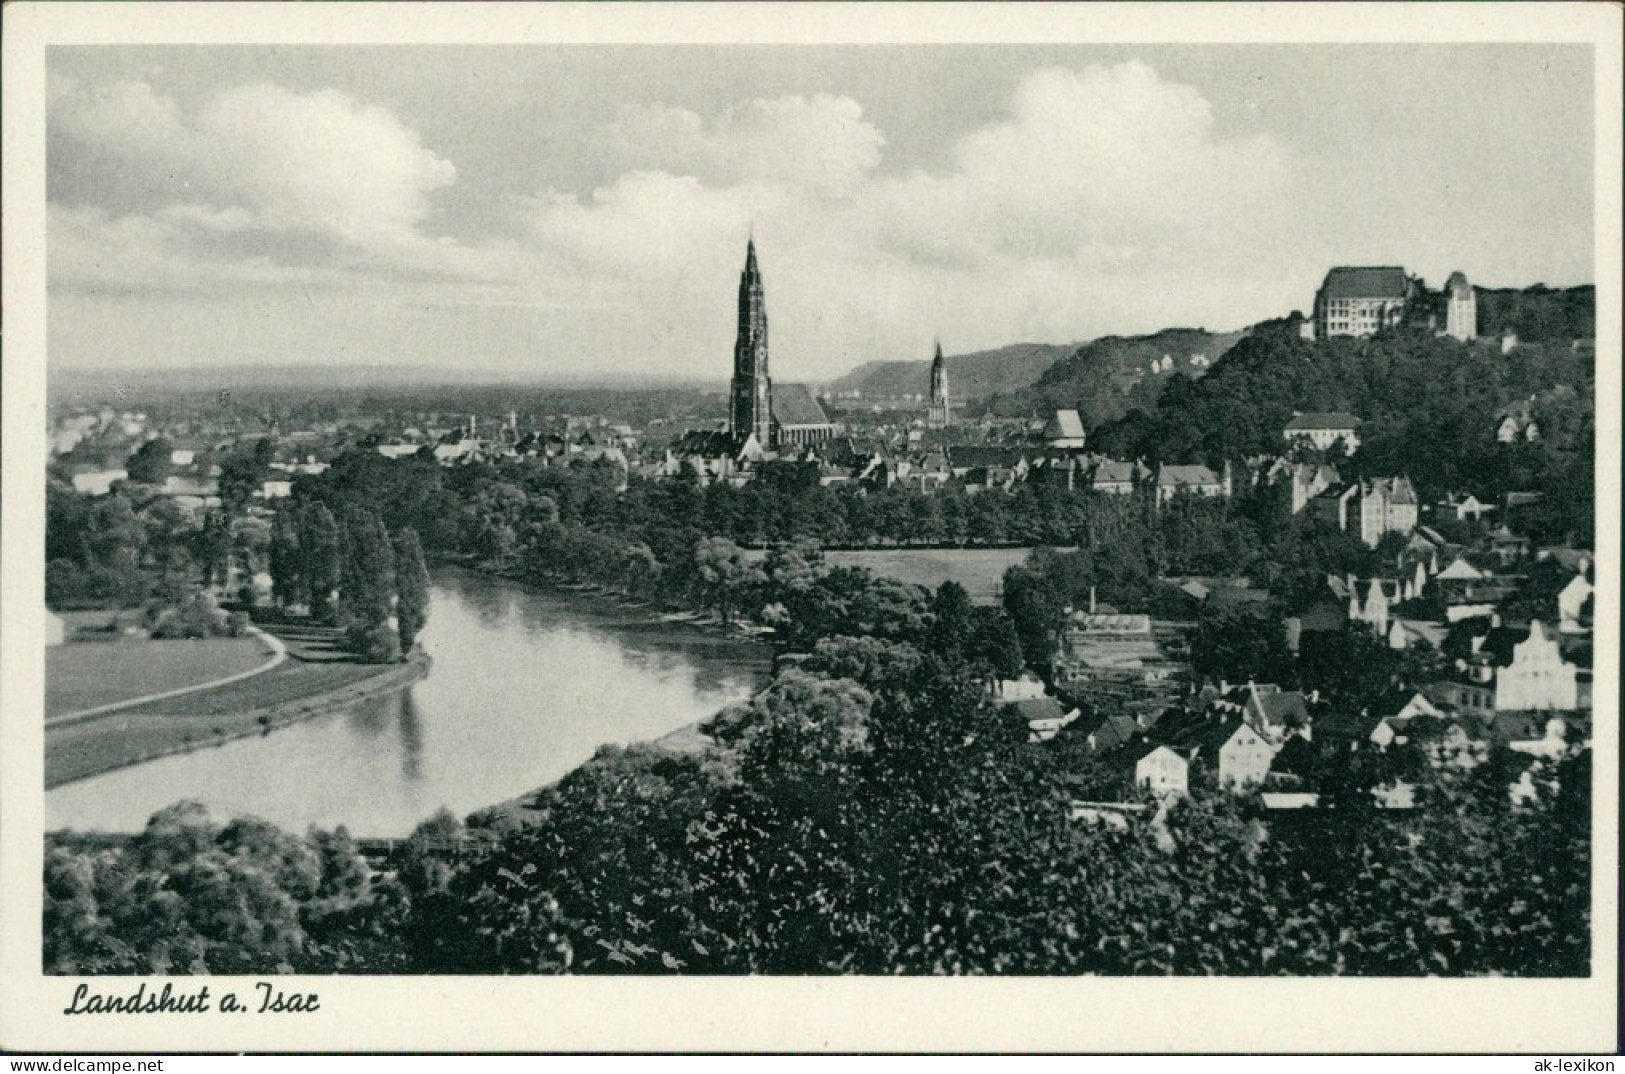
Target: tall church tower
[939, 416]
[750, 405]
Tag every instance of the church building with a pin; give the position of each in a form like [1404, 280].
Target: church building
[790, 417]
[940, 413]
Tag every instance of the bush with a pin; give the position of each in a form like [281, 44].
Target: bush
[376, 644]
[199, 617]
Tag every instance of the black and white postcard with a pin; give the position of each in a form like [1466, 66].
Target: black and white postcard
[811, 527]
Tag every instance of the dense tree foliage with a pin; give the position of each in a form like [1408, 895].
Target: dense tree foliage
[1430, 409]
[189, 895]
[367, 588]
[150, 463]
[411, 587]
[835, 827]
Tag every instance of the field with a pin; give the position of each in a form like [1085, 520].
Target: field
[289, 692]
[979, 570]
[292, 681]
[82, 675]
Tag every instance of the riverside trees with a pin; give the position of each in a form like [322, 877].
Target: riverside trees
[870, 812]
[355, 575]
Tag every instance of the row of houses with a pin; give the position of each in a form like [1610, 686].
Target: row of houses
[1259, 737]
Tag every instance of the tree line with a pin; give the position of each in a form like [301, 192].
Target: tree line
[1429, 408]
[352, 574]
[869, 812]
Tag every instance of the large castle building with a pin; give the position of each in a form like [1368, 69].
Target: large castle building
[789, 417]
[1361, 301]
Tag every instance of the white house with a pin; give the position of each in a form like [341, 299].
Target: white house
[1196, 480]
[1323, 430]
[1538, 677]
[1244, 759]
[1024, 688]
[1163, 771]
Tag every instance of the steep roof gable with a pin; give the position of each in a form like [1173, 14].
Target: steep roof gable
[794, 404]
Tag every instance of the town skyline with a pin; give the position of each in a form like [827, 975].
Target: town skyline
[897, 195]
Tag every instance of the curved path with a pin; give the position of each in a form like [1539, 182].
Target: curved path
[279, 653]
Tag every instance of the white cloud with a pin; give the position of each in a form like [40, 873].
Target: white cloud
[1098, 199]
[1102, 190]
[322, 162]
[821, 144]
[256, 158]
[1104, 159]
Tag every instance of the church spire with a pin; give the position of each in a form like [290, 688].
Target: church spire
[750, 409]
[939, 415]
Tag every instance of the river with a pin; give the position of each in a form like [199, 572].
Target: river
[526, 684]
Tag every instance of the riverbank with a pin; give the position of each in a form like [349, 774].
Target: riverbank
[285, 695]
[663, 614]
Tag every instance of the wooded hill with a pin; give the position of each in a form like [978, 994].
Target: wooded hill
[1109, 377]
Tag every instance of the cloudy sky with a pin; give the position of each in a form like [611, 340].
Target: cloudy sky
[581, 210]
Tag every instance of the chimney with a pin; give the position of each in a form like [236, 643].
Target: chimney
[1091, 600]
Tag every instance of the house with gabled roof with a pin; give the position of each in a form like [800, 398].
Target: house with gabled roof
[1410, 633]
[1537, 676]
[1064, 431]
[1370, 508]
[1307, 480]
[965, 457]
[1239, 753]
[1173, 480]
[1164, 770]
[1322, 429]
[1371, 601]
[1274, 712]
[1043, 716]
[1467, 508]
[1117, 478]
[1112, 733]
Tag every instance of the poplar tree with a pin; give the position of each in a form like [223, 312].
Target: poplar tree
[319, 541]
[287, 561]
[411, 588]
[367, 589]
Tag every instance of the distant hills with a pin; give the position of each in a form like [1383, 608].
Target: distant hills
[970, 376]
[135, 385]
